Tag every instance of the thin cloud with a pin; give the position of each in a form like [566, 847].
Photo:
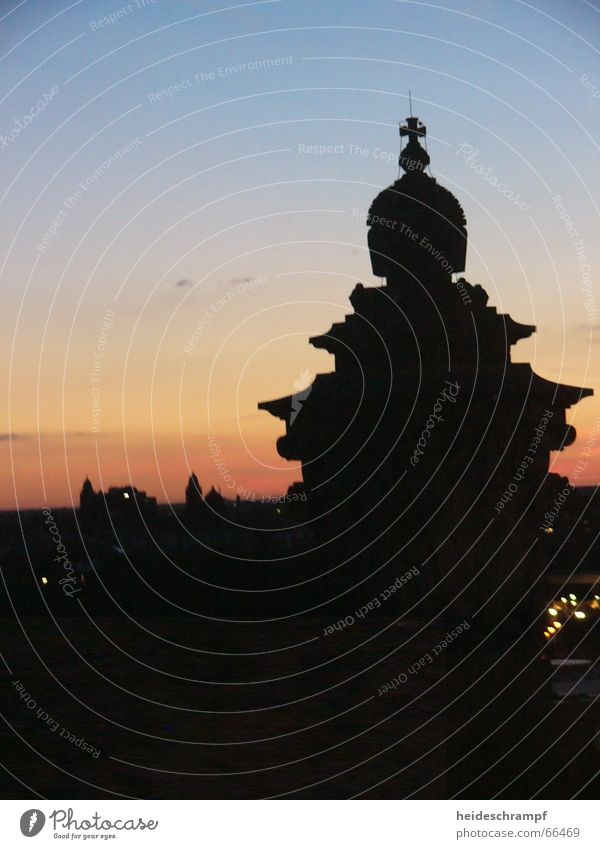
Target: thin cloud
[591, 332]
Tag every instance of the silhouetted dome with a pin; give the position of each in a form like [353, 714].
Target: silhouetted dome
[418, 226]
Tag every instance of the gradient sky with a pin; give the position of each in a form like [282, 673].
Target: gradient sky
[216, 190]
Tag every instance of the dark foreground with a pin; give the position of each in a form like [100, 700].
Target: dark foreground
[277, 709]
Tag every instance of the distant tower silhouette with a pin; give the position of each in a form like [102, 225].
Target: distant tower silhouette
[194, 502]
[89, 503]
[410, 448]
[197, 511]
[87, 496]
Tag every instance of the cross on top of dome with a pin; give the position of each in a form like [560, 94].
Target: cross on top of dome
[413, 157]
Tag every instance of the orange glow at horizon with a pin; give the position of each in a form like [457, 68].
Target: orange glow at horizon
[161, 465]
[138, 408]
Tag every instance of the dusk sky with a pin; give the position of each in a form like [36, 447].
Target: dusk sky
[183, 194]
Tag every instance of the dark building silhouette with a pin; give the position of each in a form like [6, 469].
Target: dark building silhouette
[215, 502]
[193, 490]
[118, 501]
[427, 445]
[194, 502]
[201, 512]
[87, 497]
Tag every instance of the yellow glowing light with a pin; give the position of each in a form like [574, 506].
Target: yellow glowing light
[125, 495]
[546, 634]
[548, 530]
[574, 603]
[553, 611]
[579, 614]
[563, 599]
[573, 596]
[552, 630]
[597, 597]
[44, 580]
[557, 624]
